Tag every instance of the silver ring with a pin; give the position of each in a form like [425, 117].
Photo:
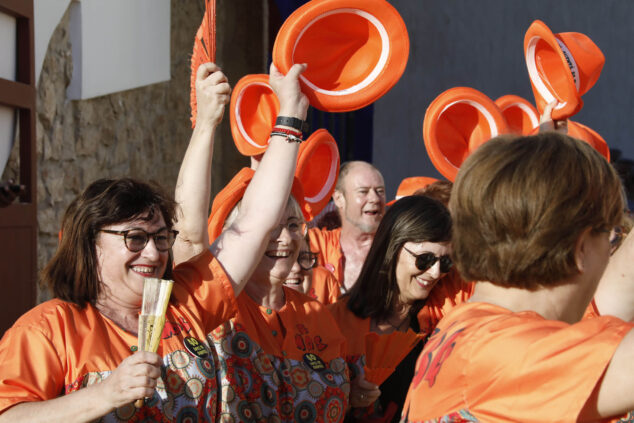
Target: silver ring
[361, 396]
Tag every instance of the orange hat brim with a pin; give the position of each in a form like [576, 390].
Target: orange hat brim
[317, 169]
[356, 50]
[409, 186]
[253, 110]
[521, 116]
[559, 84]
[589, 135]
[457, 122]
[233, 192]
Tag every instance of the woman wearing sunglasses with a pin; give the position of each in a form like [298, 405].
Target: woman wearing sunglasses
[405, 285]
[311, 279]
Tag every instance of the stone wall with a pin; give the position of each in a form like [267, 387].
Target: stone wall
[142, 133]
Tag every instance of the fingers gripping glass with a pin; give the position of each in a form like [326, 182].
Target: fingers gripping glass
[426, 260]
[307, 260]
[136, 239]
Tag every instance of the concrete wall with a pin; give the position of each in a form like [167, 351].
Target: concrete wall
[479, 44]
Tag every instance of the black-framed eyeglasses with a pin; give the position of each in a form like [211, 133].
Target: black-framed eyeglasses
[426, 260]
[307, 260]
[136, 239]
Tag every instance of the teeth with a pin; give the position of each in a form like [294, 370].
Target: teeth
[277, 254]
[424, 282]
[292, 281]
[143, 269]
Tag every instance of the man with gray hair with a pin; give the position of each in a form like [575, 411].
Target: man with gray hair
[360, 200]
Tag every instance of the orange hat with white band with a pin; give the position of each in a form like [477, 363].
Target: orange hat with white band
[317, 169]
[253, 109]
[233, 192]
[521, 116]
[356, 50]
[456, 123]
[561, 67]
[409, 186]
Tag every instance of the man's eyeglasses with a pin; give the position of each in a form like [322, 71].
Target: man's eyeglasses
[136, 239]
[426, 260]
[307, 260]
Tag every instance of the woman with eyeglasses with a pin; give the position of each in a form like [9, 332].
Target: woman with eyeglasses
[280, 357]
[75, 358]
[405, 285]
[309, 278]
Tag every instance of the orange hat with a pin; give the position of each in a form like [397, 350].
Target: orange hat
[356, 50]
[521, 116]
[233, 192]
[561, 67]
[582, 132]
[409, 186]
[253, 110]
[317, 169]
[456, 123]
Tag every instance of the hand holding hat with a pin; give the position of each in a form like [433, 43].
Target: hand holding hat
[561, 67]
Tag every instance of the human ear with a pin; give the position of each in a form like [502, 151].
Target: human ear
[339, 199]
[581, 249]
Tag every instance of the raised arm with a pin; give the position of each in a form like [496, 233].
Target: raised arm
[615, 293]
[241, 246]
[194, 178]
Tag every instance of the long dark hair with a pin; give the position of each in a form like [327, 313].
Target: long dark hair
[72, 273]
[415, 218]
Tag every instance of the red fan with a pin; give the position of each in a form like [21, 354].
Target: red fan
[384, 352]
[204, 49]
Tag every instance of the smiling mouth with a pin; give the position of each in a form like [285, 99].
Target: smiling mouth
[278, 254]
[144, 270]
[293, 281]
[425, 283]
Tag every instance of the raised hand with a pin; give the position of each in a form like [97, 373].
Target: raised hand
[212, 94]
[293, 103]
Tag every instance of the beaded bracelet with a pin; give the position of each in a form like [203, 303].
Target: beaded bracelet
[295, 132]
[289, 137]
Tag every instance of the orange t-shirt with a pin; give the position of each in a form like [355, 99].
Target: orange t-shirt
[57, 348]
[325, 287]
[326, 244]
[486, 363]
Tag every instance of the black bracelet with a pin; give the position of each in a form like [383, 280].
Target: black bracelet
[291, 122]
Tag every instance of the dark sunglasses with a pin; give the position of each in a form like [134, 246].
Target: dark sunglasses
[426, 260]
[307, 260]
[136, 239]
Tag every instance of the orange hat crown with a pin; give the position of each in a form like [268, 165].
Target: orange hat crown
[561, 67]
[456, 123]
[253, 109]
[521, 116]
[318, 169]
[356, 50]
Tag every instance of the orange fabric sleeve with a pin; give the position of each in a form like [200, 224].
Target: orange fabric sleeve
[450, 291]
[324, 288]
[202, 284]
[32, 368]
